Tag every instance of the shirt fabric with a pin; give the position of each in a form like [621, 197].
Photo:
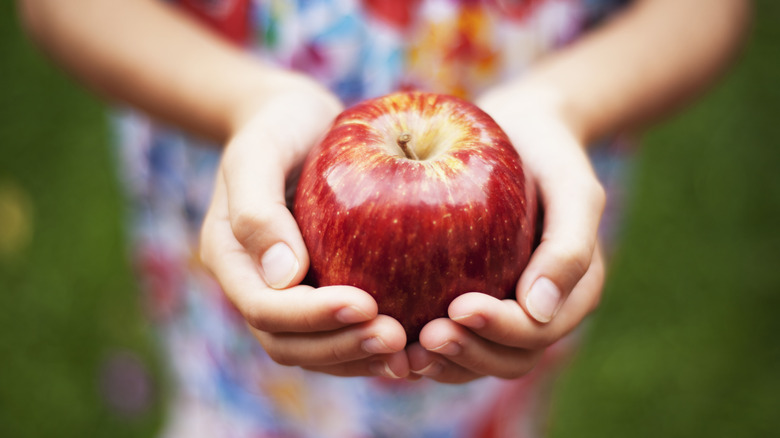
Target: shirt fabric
[223, 384]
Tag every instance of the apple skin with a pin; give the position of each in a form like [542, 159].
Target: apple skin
[416, 233]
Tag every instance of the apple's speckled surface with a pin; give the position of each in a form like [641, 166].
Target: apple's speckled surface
[416, 233]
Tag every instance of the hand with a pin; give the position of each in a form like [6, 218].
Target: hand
[564, 278]
[251, 243]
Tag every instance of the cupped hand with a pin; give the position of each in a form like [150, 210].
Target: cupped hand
[562, 283]
[251, 243]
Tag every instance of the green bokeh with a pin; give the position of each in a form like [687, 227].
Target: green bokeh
[67, 299]
[684, 343]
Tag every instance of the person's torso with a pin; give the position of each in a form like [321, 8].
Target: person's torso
[366, 48]
[359, 49]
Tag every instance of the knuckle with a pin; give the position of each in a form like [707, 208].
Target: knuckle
[204, 254]
[205, 243]
[248, 224]
[599, 274]
[337, 354]
[514, 369]
[507, 334]
[277, 348]
[594, 304]
[259, 321]
[478, 364]
[308, 322]
[523, 366]
[542, 340]
[598, 194]
[575, 258]
[513, 373]
[281, 356]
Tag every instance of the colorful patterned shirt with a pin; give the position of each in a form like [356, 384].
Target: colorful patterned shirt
[224, 385]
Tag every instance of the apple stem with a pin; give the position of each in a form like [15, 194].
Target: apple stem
[403, 143]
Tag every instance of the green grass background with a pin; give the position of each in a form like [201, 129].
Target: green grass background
[684, 343]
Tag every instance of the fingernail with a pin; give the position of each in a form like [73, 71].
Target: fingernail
[279, 265]
[375, 345]
[351, 315]
[432, 369]
[381, 368]
[472, 320]
[448, 348]
[543, 300]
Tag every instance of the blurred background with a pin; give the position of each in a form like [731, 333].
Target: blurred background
[684, 343]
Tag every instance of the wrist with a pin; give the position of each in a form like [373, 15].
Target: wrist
[275, 86]
[532, 101]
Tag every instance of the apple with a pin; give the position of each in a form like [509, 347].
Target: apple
[416, 198]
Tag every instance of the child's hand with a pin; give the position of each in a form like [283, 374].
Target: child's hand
[564, 278]
[252, 244]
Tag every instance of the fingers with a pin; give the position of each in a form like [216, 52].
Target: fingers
[486, 336]
[382, 335]
[299, 309]
[505, 322]
[391, 366]
[461, 355]
[335, 329]
[437, 367]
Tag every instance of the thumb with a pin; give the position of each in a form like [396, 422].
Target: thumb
[573, 208]
[270, 235]
[255, 174]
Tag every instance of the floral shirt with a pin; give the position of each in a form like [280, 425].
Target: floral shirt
[224, 384]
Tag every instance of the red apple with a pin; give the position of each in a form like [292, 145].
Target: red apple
[416, 198]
